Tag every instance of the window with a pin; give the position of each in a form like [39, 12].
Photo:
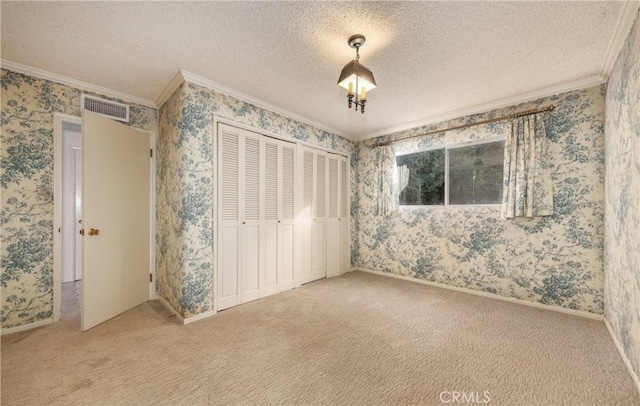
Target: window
[466, 175]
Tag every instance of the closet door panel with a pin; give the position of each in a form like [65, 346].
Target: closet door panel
[250, 201]
[345, 216]
[229, 223]
[320, 219]
[306, 215]
[271, 260]
[333, 225]
[251, 263]
[319, 250]
[270, 219]
[286, 223]
[288, 241]
[228, 280]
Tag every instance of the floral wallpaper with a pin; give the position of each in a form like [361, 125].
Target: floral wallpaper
[622, 207]
[26, 186]
[186, 187]
[555, 260]
[169, 227]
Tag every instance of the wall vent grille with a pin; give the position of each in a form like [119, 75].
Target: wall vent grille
[107, 108]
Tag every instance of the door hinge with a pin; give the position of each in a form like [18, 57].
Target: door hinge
[150, 277]
[151, 153]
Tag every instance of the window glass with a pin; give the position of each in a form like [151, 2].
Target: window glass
[475, 174]
[421, 178]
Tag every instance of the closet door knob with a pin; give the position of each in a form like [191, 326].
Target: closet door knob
[244, 222]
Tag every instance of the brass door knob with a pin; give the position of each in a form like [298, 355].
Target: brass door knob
[82, 231]
[94, 231]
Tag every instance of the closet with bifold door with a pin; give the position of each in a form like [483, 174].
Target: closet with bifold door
[324, 218]
[256, 216]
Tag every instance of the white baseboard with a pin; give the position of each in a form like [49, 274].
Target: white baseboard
[626, 361]
[199, 317]
[489, 295]
[186, 320]
[24, 327]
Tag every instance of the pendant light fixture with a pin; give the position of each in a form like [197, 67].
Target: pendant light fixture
[355, 77]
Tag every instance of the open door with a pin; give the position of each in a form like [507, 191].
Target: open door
[116, 218]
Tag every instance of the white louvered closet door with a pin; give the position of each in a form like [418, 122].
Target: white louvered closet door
[270, 218]
[333, 224]
[229, 221]
[320, 217]
[250, 201]
[345, 216]
[287, 218]
[307, 214]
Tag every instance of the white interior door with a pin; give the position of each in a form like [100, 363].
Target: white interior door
[333, 224]
[116, 200]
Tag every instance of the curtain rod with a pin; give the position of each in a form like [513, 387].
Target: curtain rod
[492, 120]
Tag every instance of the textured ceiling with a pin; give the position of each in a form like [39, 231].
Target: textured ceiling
[429, 58]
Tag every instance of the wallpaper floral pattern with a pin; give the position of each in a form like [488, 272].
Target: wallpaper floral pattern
[185, 234]
[622, 209]
[26, 185]
[555, 260]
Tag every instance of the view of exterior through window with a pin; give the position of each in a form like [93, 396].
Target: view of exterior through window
[421, 178]
[473, 176]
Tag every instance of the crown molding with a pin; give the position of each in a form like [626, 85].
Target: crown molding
[78, 84]
[619, 36]
[217, 87]
[494, 105]
[169, 89]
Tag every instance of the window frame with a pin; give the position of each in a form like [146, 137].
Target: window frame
[446, 148]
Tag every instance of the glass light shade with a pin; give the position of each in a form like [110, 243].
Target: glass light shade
[355, 69]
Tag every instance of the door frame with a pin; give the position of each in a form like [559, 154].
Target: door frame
[58, 120]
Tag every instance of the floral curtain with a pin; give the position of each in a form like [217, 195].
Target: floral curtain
[387, 196]
[528, 189]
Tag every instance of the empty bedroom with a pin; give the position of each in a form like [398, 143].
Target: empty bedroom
[320, 203]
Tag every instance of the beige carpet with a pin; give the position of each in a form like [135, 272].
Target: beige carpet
[356, 339]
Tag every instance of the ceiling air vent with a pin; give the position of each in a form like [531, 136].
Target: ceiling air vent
[107, 108]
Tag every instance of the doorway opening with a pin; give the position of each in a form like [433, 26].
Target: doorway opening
[67, 242]
[71, 219]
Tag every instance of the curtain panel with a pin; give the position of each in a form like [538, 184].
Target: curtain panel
[387, 194]
[528, 188]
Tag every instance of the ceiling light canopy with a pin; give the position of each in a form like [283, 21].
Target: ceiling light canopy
[356, 78]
